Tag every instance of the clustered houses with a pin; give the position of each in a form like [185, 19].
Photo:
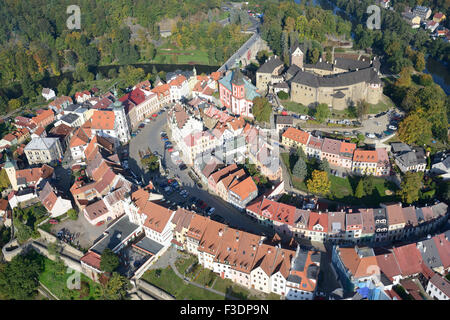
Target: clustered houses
[388, 223]
[232, 185]
[373, 272]
[245, 259]
[139, 104]
[16, 137]
[407, 158]
[32, 185]
[100, 196]
[339, 153]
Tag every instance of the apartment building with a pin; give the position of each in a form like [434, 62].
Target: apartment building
[43, 150]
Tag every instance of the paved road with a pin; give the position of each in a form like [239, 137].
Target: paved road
[150, 137]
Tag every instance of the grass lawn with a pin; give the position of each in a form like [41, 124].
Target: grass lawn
[57, 284]
[295, 107]
[181, 57]
[170, 282]
[342, 190]
[182, 264]
[385, 104]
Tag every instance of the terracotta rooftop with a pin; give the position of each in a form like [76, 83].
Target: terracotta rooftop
[297, 135]
[365, 156]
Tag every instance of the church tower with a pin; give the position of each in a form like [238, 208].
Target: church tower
[296, 55]
[10, 168]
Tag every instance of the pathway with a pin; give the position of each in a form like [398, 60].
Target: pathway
[46, 292]
[174, 268]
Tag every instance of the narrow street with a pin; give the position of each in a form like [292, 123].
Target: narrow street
[149, 137]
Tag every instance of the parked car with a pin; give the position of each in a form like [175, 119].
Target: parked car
[182, 166]
[393, 128]
[125, 164]
[211, 210]
[53, 221]
[142, 125]
[370, 135]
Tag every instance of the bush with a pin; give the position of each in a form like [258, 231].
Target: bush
[283, 95]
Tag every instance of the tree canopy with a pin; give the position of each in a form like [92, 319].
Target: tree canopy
[319, 183]
[109, 261]
[261, 109]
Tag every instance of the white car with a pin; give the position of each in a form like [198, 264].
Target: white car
[211, 211]
[370, 135]
[393, 128]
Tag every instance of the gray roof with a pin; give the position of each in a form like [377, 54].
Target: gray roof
[440, 209]
[398, 147]
[429, 252]
[282, 85]
[237, 78]
[115, 234]
[72, 107]
[70, 118]
[293, 70]
[309, 79]
[411, 158]
[284, 119]
[300, 260]
[341, 63]
[39, 143]
[312, 271]
[419, 215]
[149, 245]
[270, 65]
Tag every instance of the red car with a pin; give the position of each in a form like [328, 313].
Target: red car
[170, 149]
[284, 113]
[53, 221]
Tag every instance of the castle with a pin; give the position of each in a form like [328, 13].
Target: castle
[338, 84]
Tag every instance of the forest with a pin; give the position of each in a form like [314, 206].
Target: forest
[35, 42]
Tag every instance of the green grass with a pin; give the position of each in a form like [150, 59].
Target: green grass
[182, 264]
[57, 283]
[381, 106]
[295, 107]
[170, 282]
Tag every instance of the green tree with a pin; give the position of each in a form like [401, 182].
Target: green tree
[283, 95]
[404, 79]
[4, 180]
[63, 87]
[301, 154]
[261, 109]
[362, 108]
[13, 104]
[368, 184]
[151, 162]
[415, 129]
[324, 166]
[319, 183]
[262, 56]
[410, 187]
[72, 214]
[109, 261]
[321, 112]
[359, 193]
[313, 55]
[54, 248]
[419, 61]
[300, 169]
[116, 288]
[19, 278]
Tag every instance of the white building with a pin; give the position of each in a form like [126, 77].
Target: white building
[438, 288]
[48, 93]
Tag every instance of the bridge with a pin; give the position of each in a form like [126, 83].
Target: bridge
[248, 50]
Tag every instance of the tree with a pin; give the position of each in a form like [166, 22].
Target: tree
[426, 79]
[301, 154]
[362, 108]
[283, 95]
[261, 109]
[72, 214]
[109, 261]
[54, 248]
[116, 288]
[19, 279]
[151, 162]
[299, 169]
[262, 56]
[63, 87]
[410, 187]
[321, 112]
[415, 129]
[324, 166]
[404, 79]
[359, 193]
[4, 180]
[319, 183]
[419, 61]
[313, 55]
[13, 104]
[368, 184]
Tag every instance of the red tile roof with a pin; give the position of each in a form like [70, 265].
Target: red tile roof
[409, 259]
[296, 135]
[365, 155]
[318, 218]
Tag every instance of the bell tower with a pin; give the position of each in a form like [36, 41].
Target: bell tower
[10, 168]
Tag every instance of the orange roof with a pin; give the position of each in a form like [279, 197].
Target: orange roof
[210, 241]
[39, 131]
[216, 176]
[216, 75]
[44, 115]
[244, 258]
[297, 135]
[79, 138]
[244, 188]
[178, 81]
[157, 216]
[365, 156]
[347, 147]
[318, 218]
[197, 227]
[103, 119]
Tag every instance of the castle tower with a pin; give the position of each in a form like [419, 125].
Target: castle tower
[296, 55]
[10, 168]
